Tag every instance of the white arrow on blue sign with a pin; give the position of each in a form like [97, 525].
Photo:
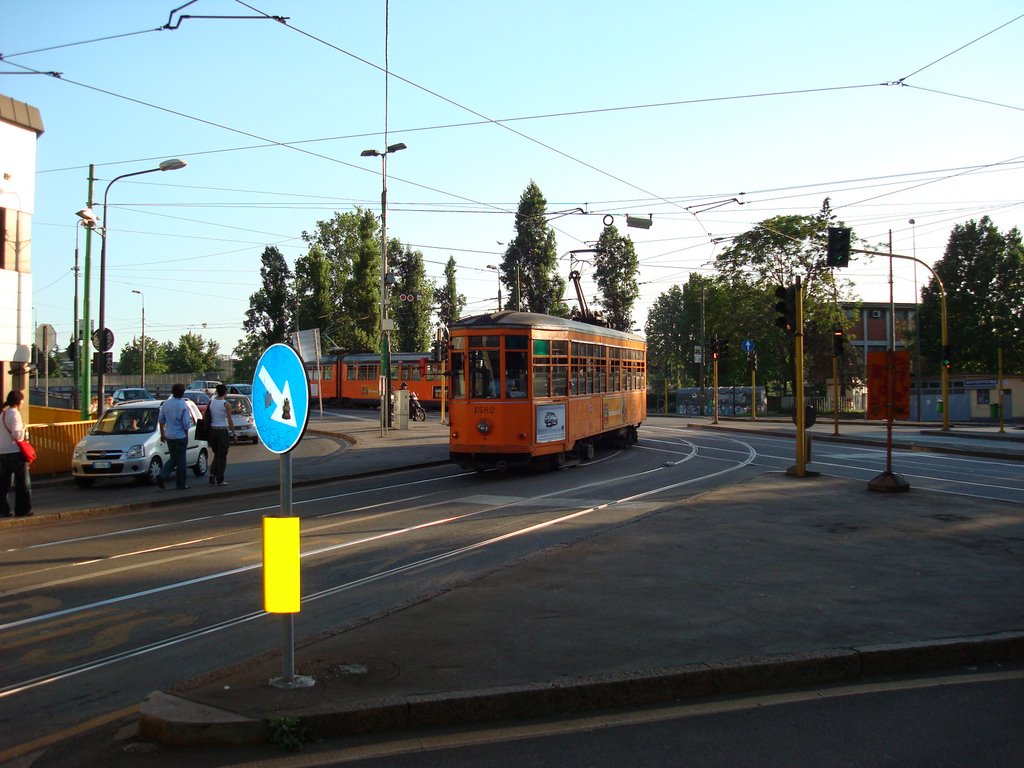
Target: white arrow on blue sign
[748, 346]
[280, 398]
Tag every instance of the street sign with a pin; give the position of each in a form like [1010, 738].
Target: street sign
[280, 398]
[46, 338]
[748, 346]
[103, 339]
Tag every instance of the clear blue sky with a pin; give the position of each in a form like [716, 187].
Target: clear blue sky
[662, 108]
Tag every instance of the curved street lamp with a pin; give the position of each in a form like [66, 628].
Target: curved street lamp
[166, 165]
[385, 323]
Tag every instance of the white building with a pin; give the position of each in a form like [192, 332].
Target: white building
[20, 127]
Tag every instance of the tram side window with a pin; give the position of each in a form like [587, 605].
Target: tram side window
[458, 385]
[515, 374]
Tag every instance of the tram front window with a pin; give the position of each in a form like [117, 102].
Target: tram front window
[485, 373]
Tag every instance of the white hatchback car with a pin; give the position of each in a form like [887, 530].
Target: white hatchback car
[125, 443]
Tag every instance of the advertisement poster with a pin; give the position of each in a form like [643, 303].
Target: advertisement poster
[550, 423]
[879, 394]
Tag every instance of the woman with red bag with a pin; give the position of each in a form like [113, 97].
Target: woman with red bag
[13, 463]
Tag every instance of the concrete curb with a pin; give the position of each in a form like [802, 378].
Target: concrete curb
[175, 720]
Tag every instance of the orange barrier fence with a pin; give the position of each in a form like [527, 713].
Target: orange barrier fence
[54, 444]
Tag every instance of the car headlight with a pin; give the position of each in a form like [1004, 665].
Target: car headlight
[79, 451]
[137, 451]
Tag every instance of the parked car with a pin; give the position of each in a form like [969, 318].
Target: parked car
[241, 416]
[197, 396]
[202, 385]
[128, 394]
[240, 389]
[125, 443]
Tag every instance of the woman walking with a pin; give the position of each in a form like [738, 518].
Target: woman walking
[222, 429]
[13, 464]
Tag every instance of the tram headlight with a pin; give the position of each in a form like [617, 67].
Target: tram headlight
[483, 426]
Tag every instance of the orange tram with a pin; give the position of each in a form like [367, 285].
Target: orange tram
[535, 390]
[353, 378]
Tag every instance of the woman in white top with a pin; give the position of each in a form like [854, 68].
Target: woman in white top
[222, 429]
[12, 461]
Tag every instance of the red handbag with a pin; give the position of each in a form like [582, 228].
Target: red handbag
[26, 447]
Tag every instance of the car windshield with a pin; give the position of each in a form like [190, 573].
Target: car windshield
[127, 421]
[240, 406]
[242, 389]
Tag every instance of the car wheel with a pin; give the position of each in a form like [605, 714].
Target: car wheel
[156, 466]
[84, 482]
[202, 464]
[255, 440]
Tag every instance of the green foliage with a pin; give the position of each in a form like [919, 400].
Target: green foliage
[450, 302]
[130, 360]
[315, 292]
[269, 317]
[412, 318]
[615, 269]
[192, 355]
[289, 733]
[983, 273]
[533, 253]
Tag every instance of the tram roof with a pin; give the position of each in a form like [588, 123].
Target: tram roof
[512, 319]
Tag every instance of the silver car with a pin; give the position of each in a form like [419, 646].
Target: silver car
[125, 443]
[242, 418]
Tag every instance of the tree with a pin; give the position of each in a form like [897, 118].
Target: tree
[670, 339]
[983, 273]
[313, 288]
[193, 354]
[130, 361]
[269, 317]
[450, 302]
[773, 254]
[615, 269]
[412, 318]
[350, 243]
[533, 255]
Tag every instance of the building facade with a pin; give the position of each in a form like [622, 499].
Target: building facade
[20, 127]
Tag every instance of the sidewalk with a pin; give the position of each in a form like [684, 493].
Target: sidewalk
[772, 583]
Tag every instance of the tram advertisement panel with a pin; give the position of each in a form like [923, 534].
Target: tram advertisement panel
[614, 411]
[550, 423]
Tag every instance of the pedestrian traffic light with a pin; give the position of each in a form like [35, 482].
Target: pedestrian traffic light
[947, 356]
[103, 361]
[786, 307]
[837, 254]
[838, 341]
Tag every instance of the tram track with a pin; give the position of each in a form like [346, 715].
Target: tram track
[317, 526]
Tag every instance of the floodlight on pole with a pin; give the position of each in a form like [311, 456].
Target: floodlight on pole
[385, 323]
[167, 165]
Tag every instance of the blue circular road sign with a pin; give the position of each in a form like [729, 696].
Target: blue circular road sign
[280, 398]
[748, 346]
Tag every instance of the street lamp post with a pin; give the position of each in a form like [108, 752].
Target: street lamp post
[143, 380]
[386, 324]
[492, 266]
[166, 165]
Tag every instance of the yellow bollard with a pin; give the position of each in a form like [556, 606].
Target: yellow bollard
[281, 585]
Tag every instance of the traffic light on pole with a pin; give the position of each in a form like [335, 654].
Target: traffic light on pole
[947, 356]
[716, 348]
[752, 361]
[786, 307]
[837, 254]
[838, 341]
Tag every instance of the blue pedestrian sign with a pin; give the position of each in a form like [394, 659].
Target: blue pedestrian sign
[280, 398]
[748, 346]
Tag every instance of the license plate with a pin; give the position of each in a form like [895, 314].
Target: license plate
[101, 465]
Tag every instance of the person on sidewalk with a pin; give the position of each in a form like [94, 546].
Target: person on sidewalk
[12, 461]
[222, 431]
[175, 421]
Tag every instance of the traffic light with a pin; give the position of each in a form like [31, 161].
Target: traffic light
[752, 361]
[103, 361]
[786, 307]
[947, 356]
[716, 348]
[838, 252]
[838, 341]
